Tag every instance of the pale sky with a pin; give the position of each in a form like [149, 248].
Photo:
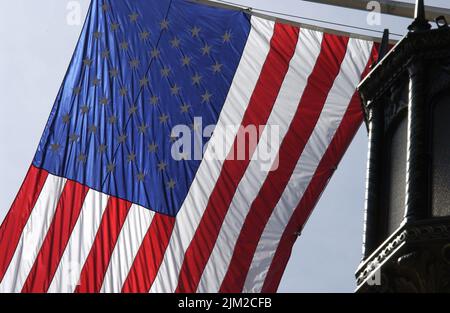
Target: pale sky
[36, 46]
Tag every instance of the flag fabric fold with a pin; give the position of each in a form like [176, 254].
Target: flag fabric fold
[187, 146]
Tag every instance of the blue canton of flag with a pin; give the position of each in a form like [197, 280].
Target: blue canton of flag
[132, 78]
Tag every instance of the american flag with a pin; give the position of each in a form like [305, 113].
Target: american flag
[106, 206]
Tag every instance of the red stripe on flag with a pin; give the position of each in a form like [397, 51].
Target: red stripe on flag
[18, 215]
[341, 140]
[325, 71]
[96, 265]
[64, 220]
[282, 48]
[150, 255]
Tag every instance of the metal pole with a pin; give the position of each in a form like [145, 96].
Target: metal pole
[401, 9]
[255, 12]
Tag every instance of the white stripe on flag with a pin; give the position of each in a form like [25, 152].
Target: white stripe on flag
[356, 58]
[130, 238]
[80, 243]
[300, 67]
[33, 235]
[188, 218]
